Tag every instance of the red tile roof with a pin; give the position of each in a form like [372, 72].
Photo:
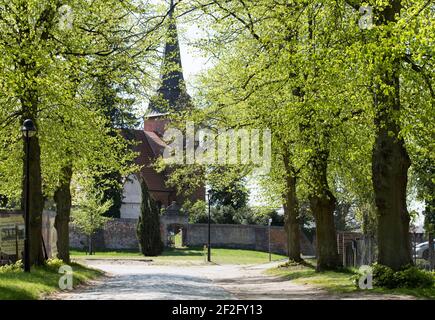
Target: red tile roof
[149, 147]
[157, 145]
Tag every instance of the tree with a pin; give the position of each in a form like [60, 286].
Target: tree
[291, 210]
[268, 61]
[196, 211]
[148, 227]
[56, 60]
[232, 194]
[397, 54]
[345, 104]
[114, 97]
[390, 160]
[89, 217]
[315, 57]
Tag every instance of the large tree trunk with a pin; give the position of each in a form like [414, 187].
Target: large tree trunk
[390, 162]
[62, 197]
[292, 225]
[322, 203]
[36, 199]
[326, 238]
[390, 167]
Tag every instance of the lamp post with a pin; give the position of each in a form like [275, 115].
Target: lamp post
[28, 131]
[209, 218]
[270, 254]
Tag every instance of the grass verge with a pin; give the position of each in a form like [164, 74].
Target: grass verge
[188, 255]
[339, 281]
[18, 285]
[332, 281]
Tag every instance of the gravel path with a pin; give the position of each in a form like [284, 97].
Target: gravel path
[136, 280]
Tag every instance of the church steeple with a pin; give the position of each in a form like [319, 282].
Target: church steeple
[172, 95]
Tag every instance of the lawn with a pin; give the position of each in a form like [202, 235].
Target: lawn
[188, 256]
[339, 282]
[18, 285]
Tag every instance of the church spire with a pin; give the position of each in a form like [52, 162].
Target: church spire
[172, 95]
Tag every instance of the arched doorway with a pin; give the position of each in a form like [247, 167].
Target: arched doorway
[176, 235]
[173, 226]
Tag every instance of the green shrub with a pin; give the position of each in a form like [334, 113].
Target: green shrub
[15, 267]
[54, 263]
[50, 264]
[412, 277]
[383, 276]
[148, 226]
[408, 277]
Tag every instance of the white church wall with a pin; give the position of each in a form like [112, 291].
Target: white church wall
[130, 207]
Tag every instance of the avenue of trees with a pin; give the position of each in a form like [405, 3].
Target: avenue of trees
[346, 88]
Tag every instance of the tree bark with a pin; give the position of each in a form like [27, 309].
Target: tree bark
[322, 203]
[389, 168]
[36, 199]
[390, 161]
[326, 239]
[292, 225]
[62, 197]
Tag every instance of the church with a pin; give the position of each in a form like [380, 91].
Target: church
[170, 97]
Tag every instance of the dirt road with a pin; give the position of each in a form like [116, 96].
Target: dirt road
[131, 280]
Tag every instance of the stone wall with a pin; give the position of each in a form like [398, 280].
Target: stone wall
[244, 237]
[117, 234]
[121, 234]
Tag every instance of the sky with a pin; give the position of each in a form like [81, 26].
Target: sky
[191, 59]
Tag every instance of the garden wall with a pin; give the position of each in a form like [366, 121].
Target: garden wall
[117, 234]
[121, 234]
[244, 237]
